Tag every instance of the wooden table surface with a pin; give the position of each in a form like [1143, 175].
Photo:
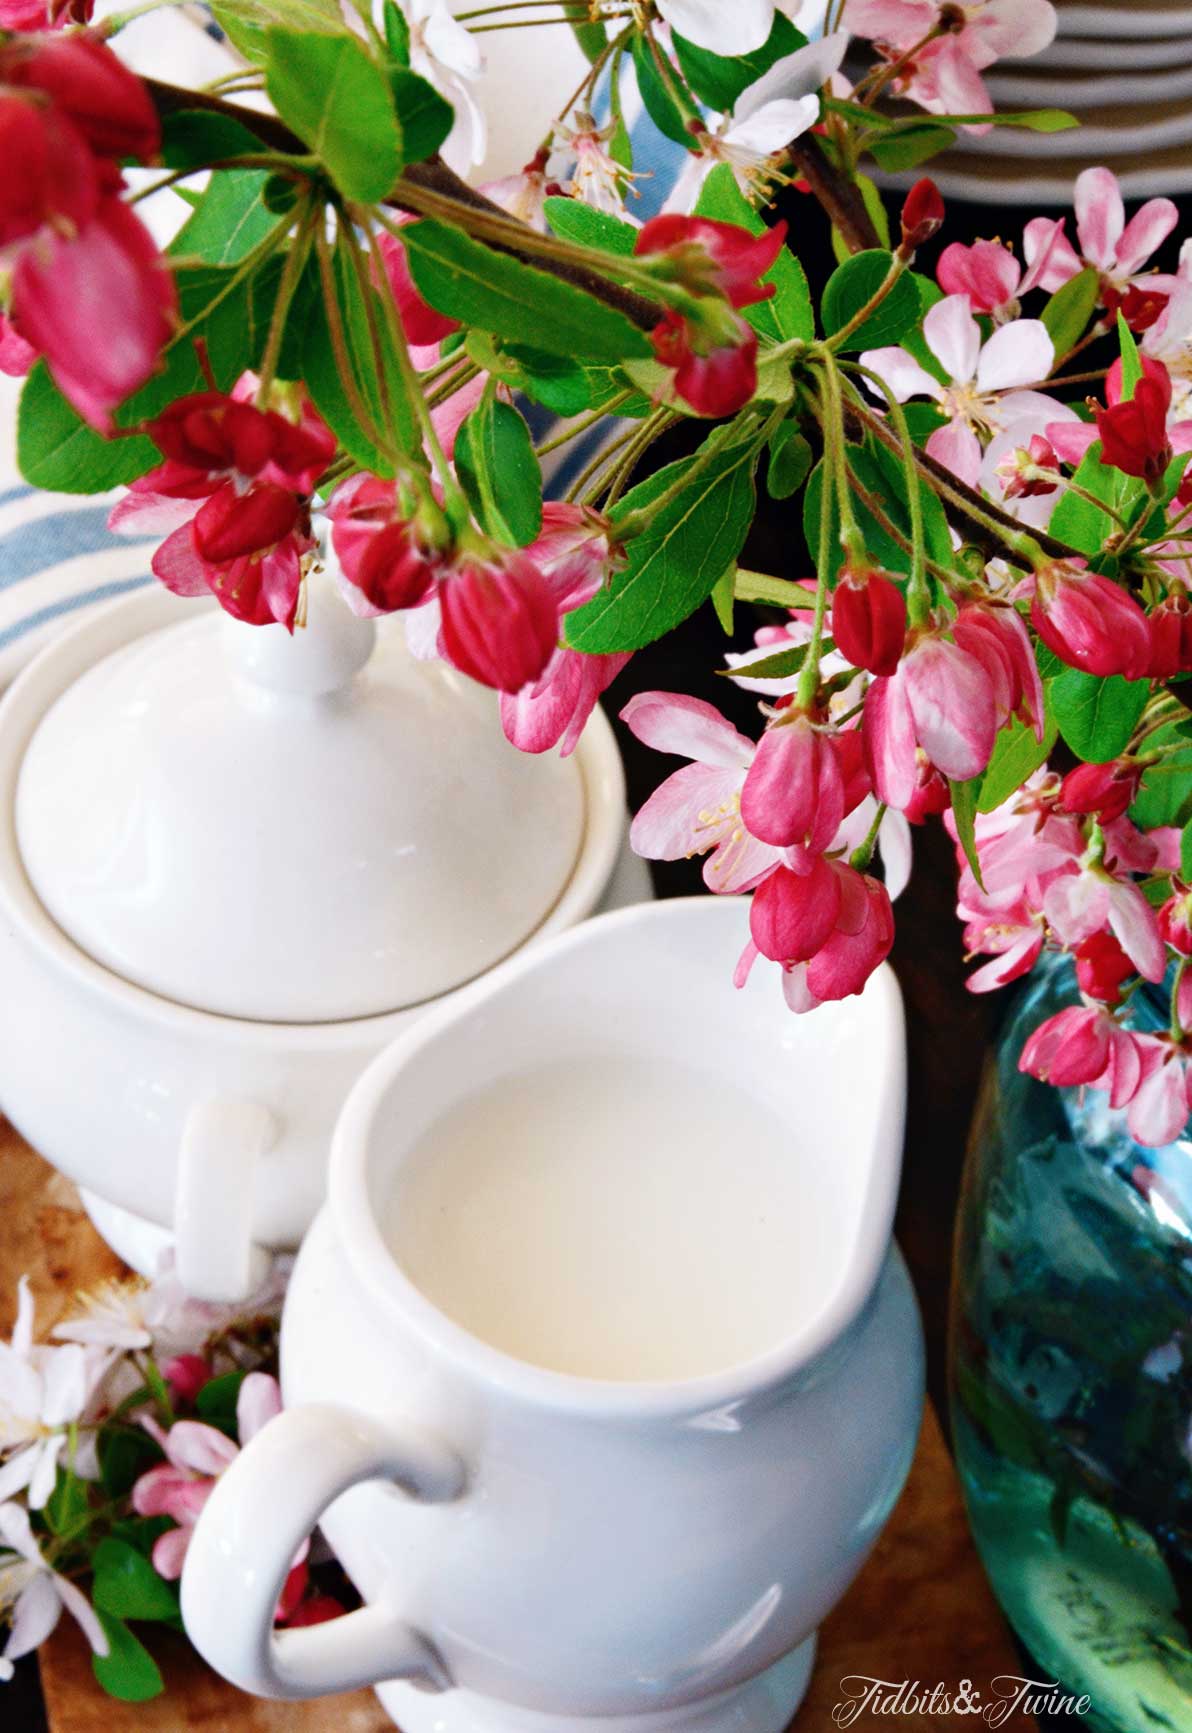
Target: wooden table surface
[921, 1609]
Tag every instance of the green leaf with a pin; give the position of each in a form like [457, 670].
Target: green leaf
[852, 284]
[724, 594]
[790, 461]
[497, 468]
[1069, 310]
[128, 1671]
[339, 103]
[875, 205]
[1016, 755]
[1081, 523]
[1131, 360]
[123, 1458]
[68, 1503]
[1097, 717]
[1186, 853]
[57, 450]
[479, 287]
[216, 1402]
[396, 32]
[964, 810]
[894, 151]
[245, 22]
[719, 79]
[592, 40]
[1166, 793]
[657, 100]
[125, 1584]
[573, 220]
[780, 666]
[229, 220]
[554, 380]
[425, 118]
[1034, 119]
[788, 313]
[326, 388]
[882, 476]
[673, 565]
[194, 137]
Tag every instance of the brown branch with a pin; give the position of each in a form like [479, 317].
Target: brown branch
[433, 176]
[839, 196]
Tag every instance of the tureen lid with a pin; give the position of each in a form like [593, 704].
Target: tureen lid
[293, 829]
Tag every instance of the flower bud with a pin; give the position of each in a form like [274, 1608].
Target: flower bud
[869, 619]
[794, 791]
[1175, 921]
[1089, 622]
[230, 525]
[922, 215]
[792, 914]
[1171, 637]
[85, 81]
[500, 620]
[1106, 789]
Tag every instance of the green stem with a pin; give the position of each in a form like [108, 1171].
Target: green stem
[919, 591]
[1177, 1028]
[368, 298]
[339, 346]
[584, 422]
[291, 272]
[809, 674]
[861, 856]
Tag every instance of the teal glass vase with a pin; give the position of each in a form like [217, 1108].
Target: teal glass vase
[1071, 1375]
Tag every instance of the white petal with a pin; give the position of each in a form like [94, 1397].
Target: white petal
[16, 1532]
[726, 29]
[83, 1614]
[64, 1384]
[773, 126]
[894, 842]
[1020, 353]
[20, 1387]
[36, 1614]
[45, 1470]
[796, 75]
[452, 44]
[15, 1476]
[22, 1331]
[901, 372]
[686, 190]
[954, 337]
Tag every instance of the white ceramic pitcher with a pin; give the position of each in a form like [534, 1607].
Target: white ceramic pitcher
[541, 1552]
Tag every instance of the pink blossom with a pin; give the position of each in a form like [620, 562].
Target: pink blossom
[1084, 1044]
[1080, 903]
[996, 637]
[384, 562]
[981, 398]
[1102, 967]
[697, 810]
[16, 356]
[989, 274]
[196, 1456]
[941, 700]
[1115, 248]
[945, 75]
[574, 554]
[1158, 1108]
[838, 924]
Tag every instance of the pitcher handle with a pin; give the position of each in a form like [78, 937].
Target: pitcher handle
[263, 1507]
[222, 1142]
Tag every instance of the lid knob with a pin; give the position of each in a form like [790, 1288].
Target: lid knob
[320, 657]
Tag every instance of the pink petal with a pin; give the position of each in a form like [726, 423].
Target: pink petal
[957, 447]
[1051, 258]
[1017, 354]
[143, 513]
[890, 746]
[1100, 216]
[684, 815]
[688, 727]
[901, 372]
[1134, 925]
[258, 1402]
[199, 1448]
[954, 337]
[1146, 231]
[169, 1553]
[952, 704]
[179, 567]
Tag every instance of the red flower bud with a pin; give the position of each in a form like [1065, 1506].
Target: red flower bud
[1101, 968]
[1106, 789]
[869, 620]
[793, 914]
[85, 81]
[393, 570]
[712, 257]
[1134, 434]
[1089, 622]
[922, 215]
[1171, 637]
[500, 621]
[49, 175]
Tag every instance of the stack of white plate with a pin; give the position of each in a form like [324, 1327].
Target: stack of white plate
[1125, 72]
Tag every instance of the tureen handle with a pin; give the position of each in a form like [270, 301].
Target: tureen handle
[243, 1547]
[213, 1199]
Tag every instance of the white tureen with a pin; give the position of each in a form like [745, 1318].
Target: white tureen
[233, 865]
